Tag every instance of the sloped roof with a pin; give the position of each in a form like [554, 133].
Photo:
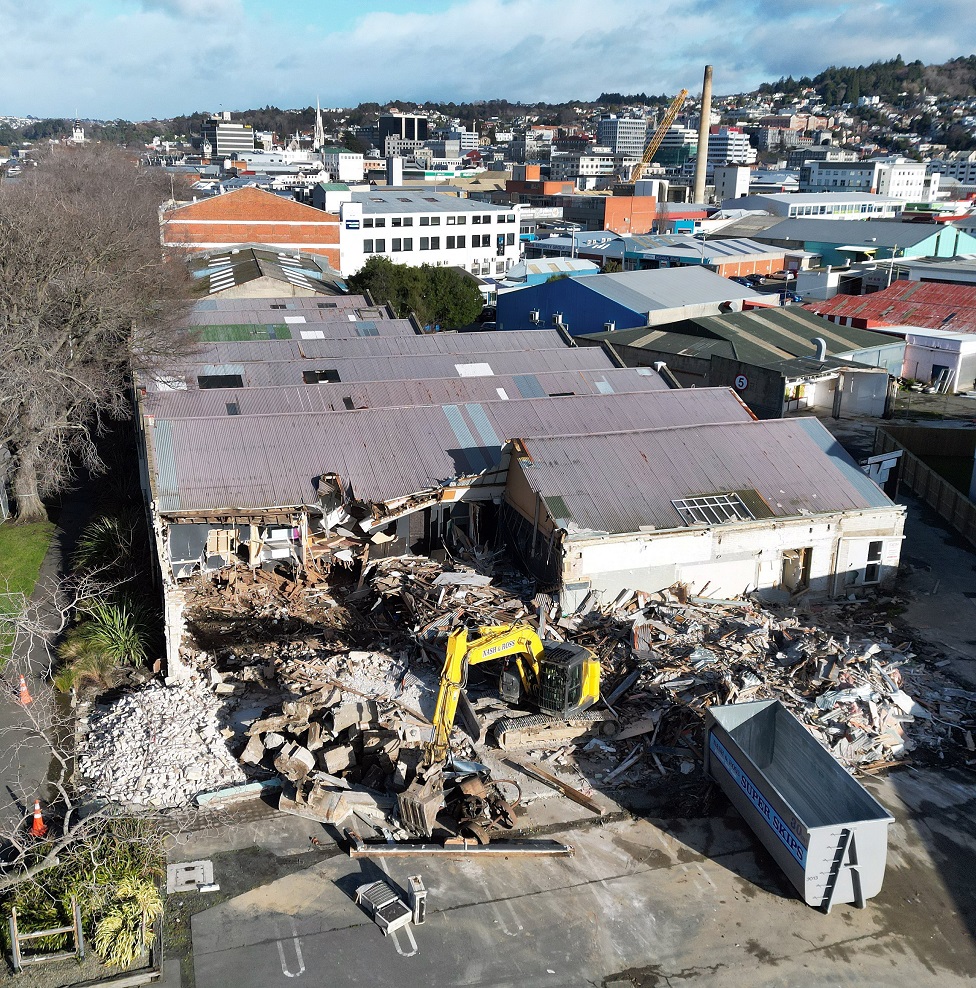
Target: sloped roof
[869, 233]
[262, 461]
[763, 337]
[666, 288]
[618, 482]
[931, 305]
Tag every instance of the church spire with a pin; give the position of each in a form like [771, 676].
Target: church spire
[319, 140]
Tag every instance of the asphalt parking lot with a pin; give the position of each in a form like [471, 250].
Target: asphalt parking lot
[644, 901]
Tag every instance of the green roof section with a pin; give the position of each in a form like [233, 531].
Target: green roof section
[243, 333]
[757, 336]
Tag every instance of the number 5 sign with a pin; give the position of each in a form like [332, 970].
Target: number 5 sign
[741, 382]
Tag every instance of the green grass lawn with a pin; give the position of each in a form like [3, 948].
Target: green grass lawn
[22, 549]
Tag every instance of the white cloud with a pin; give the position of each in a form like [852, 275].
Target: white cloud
[164, 57]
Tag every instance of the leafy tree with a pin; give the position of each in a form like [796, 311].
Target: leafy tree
[445, 297]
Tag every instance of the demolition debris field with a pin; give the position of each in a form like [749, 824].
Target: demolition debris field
[328, 689]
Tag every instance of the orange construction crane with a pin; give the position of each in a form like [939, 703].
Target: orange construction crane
[655, 142]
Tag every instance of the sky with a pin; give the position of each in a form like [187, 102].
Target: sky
[144, 59]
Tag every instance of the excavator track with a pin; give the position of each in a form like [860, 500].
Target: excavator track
[518, 732]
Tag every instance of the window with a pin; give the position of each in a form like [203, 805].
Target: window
[435, 221]
[435, 243]
[475, 219]
[511, 217]
[408, 221]
[425, 221]
[486, 219]
[397, 245]
[450, 243]
[425, 243]
[348, 402]
[510, 239]
[460, 241]
[207, 381]
[277, 305]
[451, 220]
[396, 221]
[380, 246]
[408, 243]
[328, 376]
[379, 222]
[712, 509]
[367, 223]
[461, 220]
[233, 408]
[872, 572]
[367, 246]
[327, 305]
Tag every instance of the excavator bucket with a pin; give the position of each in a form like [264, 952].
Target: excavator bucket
[419, 804]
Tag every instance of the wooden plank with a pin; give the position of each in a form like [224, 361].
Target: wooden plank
[567, 790]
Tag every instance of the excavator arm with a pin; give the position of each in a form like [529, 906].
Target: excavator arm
[486, 645]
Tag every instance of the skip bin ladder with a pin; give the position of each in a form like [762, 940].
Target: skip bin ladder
[845, 858]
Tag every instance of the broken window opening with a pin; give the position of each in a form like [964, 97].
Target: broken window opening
[206, 382]
[327, 376]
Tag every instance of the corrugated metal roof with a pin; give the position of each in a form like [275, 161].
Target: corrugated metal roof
[377, 201]
[869, 233]
[336, 303]
[616, 483]
[758, 336]
[391, 394]
[930, 305]
[347, 343]
[281, 373]
[272, 460]
[666, 288]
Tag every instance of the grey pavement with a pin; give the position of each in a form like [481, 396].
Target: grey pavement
[642, 902]
[24, 762]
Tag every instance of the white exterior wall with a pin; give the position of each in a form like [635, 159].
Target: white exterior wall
[355, 235]
[729, 560]
[344, 165]
[923, 352]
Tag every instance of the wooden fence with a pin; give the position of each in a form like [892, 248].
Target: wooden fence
[948, 503]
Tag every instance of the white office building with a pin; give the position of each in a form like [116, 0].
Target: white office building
[424, 228]
[343, 165]
[729, 145]
[895, 177]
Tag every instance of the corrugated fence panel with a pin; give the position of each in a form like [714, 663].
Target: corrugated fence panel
[952, 506]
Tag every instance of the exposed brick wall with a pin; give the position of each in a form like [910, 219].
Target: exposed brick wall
[252, 216]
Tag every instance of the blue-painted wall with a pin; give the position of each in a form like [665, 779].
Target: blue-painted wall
[583, 310]
[944, 242]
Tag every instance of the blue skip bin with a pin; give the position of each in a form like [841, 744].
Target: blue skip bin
[827, 833]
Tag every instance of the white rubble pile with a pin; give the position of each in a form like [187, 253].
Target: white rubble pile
[158, 747]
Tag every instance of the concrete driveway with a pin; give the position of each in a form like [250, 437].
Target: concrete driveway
[642, 902]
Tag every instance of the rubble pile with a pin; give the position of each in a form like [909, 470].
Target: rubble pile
[157, 747]
[353, 723]
[840, 668]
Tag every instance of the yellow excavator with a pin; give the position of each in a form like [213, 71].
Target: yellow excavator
[559, 679]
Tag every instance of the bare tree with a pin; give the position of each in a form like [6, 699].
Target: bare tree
[86, 300]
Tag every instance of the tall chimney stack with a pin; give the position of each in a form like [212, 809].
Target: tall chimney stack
[698, 193]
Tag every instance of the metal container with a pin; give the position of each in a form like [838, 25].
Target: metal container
[827, 833]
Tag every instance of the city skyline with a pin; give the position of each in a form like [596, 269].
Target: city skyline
[140, 59]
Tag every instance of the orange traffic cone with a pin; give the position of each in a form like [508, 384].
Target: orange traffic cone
[38, 827]
[25, 696]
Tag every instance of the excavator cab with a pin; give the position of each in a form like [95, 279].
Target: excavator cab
[564, 681]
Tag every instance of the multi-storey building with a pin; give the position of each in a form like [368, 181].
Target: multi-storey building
[394, 130]
[729, 145]
[225, 138]
[623, 135]
[424, 228]
[896, 177]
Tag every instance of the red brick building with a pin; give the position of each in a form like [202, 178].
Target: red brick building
[254, 216]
